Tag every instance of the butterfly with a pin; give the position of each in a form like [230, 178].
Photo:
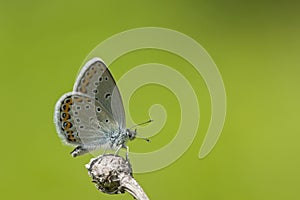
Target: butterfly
[92, 116]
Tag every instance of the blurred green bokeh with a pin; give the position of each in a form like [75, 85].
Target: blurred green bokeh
[255, 45]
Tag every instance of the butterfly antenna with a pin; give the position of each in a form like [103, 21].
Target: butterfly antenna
[149, 121]
[143, 138]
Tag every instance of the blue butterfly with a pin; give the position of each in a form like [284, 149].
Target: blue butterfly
[92, 116]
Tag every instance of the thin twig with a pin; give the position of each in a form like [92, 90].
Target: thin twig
[112, 174]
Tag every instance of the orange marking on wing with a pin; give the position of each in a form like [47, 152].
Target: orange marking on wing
[67, 116]
[71, 136]
[85, 81]
[82, 89]
[68, 104]
[78, 99]
[94, 70]
[68, 126]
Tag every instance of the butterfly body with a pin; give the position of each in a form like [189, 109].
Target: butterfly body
[92, 116]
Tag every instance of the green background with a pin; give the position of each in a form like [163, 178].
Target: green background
[255, 46]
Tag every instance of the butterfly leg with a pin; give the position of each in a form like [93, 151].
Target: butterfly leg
[105, 150]
[79, 150]
[118, 149]
[127, 152]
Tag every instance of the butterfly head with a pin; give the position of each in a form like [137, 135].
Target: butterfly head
[130, 134]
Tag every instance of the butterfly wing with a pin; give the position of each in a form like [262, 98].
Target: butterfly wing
[80, 120]
[96, 81]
